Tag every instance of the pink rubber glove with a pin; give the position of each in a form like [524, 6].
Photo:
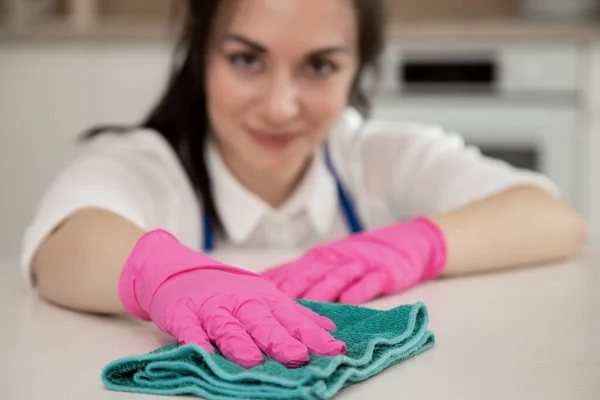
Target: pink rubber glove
[367, 265]
[198, 300]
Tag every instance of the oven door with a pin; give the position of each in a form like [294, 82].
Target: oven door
[542, 138]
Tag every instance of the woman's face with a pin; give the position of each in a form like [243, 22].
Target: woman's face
[279, 73]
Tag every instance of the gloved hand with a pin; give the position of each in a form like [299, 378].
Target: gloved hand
[198, 300]
[365, 266]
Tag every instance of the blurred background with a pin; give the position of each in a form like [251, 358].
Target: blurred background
[518, 78]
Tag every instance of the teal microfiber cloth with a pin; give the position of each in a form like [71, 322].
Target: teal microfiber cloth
[375, 340]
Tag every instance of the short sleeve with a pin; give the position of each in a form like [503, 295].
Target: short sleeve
[423, 170]
[121, 173]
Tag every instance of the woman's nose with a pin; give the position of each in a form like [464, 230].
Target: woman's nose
[281, 101]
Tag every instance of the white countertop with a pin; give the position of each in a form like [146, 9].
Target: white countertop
[526, 334]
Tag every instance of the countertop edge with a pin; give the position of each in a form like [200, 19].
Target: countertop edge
[399, 31]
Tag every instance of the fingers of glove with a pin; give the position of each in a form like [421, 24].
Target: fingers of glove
[274, 273]
[295, 285]
[332, 285]
[270, 336]
[315, 338]
[281, 273]
[185, 326]
[368, 288]
[320, 320]
[231, 337]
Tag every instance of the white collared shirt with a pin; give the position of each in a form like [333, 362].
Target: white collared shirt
[393, 171]
[305, 219]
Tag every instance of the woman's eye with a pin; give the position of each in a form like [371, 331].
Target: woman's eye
[321, 68]
[246, 61]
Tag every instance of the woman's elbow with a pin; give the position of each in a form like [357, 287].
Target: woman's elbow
[574, 234]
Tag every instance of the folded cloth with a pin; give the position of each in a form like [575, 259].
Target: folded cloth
[375, 340]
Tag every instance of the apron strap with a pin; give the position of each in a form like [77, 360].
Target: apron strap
[348, 207]
[208, 245]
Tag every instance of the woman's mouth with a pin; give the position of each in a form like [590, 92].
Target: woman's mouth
[274, 140]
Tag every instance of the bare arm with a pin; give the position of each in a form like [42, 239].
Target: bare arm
[79, 265]
[522, 226]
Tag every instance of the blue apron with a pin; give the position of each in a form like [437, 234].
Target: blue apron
[350, 214]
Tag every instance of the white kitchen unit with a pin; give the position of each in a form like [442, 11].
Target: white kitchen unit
[523, 102]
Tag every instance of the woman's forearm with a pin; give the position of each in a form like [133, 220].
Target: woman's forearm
[79, 265]
[522, 226]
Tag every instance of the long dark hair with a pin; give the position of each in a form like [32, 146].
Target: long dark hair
[181, 114]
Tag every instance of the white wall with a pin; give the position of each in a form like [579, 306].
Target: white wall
[49, 93]
[592, 158]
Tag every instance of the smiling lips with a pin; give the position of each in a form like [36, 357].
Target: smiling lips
[274, 140]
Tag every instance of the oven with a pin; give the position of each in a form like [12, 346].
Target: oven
[517, 102]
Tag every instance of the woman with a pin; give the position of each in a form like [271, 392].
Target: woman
[258, 143]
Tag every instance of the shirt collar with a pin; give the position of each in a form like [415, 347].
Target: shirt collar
[241, 211]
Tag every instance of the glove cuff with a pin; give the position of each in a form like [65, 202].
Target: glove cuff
[438, 247]
[156, 257]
